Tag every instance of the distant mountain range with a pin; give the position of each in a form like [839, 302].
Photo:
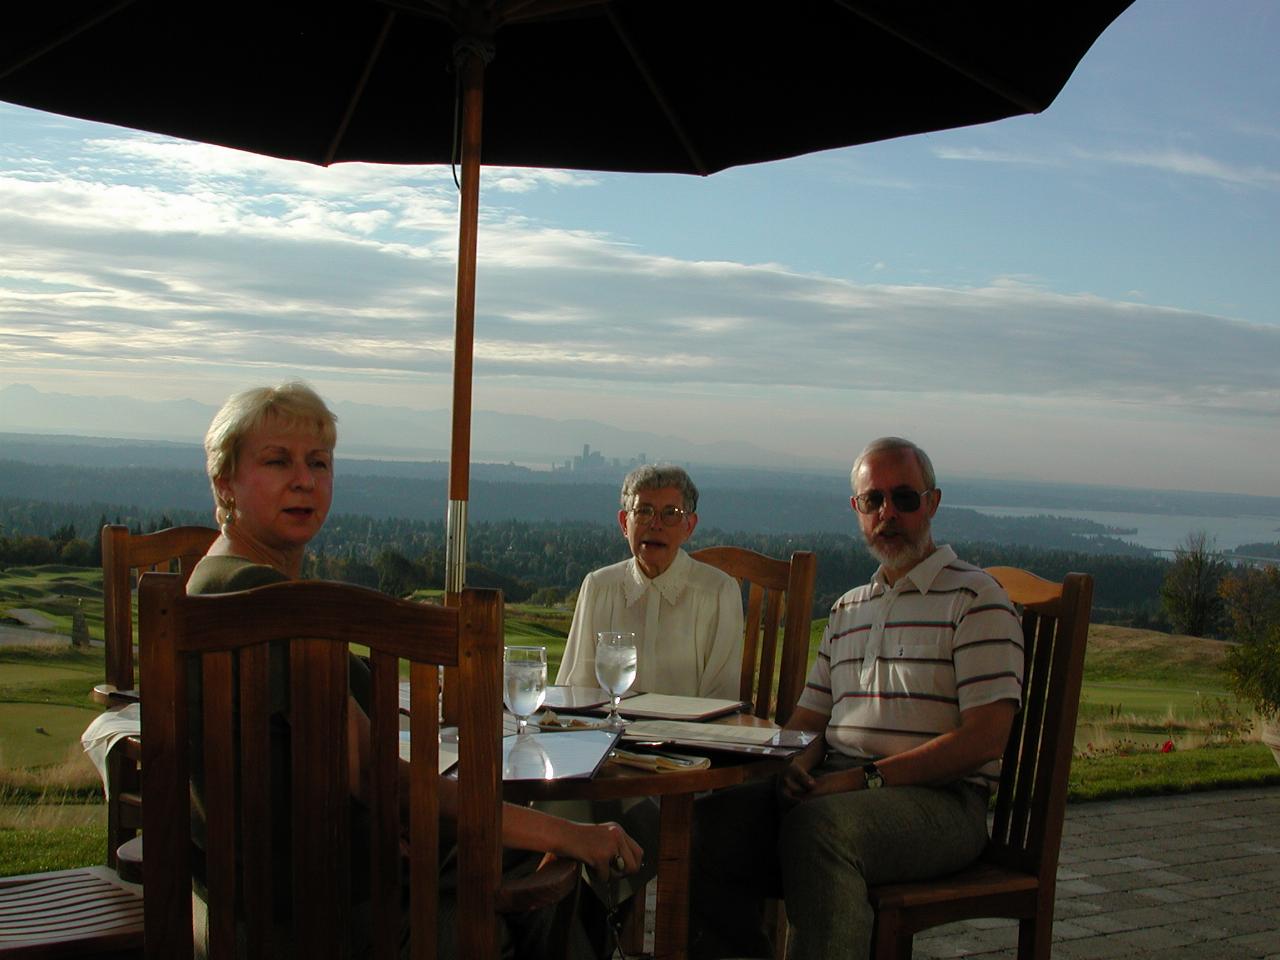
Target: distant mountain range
[367, 430]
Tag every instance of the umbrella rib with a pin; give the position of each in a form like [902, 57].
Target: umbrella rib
[1028, 103]
[70, 34]
[354, 101]
[518, 11]
[677, 127]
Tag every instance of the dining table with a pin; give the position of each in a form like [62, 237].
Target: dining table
[675, 788]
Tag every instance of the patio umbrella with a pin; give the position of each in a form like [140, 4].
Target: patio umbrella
[688, 86]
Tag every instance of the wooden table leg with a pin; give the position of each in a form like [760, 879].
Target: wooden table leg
[671, 916]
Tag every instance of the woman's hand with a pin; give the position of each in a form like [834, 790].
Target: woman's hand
[605, 848]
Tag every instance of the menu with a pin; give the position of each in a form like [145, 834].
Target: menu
[573, 755]
[662, 706]
[448, 751]
[733, 738]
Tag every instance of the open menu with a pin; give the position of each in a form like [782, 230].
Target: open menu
[662, 706]
[732, 738]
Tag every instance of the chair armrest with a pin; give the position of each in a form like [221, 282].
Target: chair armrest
[129, 860]
[555, 879]
[107, 695]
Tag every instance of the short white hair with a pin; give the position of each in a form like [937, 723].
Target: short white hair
[887, 444]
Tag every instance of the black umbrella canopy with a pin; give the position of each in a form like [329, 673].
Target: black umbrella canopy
[676, 86]
[690, 86]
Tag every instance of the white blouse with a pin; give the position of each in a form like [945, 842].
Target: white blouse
[687, 622]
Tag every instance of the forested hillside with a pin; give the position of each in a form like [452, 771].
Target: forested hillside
[81, 493]
[549, 558]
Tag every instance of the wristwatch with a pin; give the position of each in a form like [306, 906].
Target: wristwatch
[872, 775]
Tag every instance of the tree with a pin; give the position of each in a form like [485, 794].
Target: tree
[1252, 598]
[397, 574]
[79, 627]
[78, 553]
[1190, 589]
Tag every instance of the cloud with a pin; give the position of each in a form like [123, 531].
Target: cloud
[988, 155]
[1186, 163]
[156, 255]
[1166, 160]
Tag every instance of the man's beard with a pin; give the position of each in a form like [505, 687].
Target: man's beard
[902, 553]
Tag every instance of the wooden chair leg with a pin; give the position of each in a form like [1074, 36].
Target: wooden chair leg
[633, 922]
[1035, 935]
[889, 941]
[778, 916]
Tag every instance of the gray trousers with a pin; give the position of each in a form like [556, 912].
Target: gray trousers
[820, 856]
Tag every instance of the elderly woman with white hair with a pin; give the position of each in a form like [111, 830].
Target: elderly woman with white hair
[686, 615]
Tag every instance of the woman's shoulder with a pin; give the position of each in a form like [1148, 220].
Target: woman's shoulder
[227, 574]
[707, 577]
[612, 575]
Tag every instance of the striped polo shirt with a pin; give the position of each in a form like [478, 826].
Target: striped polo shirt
[898, 664]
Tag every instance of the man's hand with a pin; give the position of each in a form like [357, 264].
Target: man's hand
[841, 781]
[795, 783]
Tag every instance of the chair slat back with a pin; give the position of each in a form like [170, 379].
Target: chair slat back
[239, 640]
[1031, 799]
[779, 610]
[177, 548]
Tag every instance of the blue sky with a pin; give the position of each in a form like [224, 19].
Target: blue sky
[1087, 295]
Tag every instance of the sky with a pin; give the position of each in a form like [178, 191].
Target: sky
[1086, 295]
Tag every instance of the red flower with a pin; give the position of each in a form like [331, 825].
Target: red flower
[1168, 747]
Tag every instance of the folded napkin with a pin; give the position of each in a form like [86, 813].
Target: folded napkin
[108, 729]
[659, 762]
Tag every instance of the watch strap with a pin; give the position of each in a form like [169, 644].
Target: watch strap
[872, 775]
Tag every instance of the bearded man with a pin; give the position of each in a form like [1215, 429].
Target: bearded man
[913, 693]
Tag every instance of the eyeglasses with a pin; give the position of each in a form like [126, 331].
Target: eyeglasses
[670, 516]
[904, 499]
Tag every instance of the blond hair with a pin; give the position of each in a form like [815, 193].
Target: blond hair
[291, 404]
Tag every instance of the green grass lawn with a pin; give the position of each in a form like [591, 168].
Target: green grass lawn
[40, 734]
[1146, 772]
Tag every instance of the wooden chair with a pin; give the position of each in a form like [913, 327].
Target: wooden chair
[776, 628]
[1015, 877]
[70, 913]
[775, 652]
[231, 635]
[123, 555]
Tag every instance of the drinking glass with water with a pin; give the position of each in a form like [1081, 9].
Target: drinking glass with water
[615, 667]
[524, 681]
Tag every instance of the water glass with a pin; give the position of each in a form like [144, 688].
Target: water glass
[524, 682]
[615, 667]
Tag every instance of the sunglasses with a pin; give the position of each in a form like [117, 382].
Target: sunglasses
[904, 499]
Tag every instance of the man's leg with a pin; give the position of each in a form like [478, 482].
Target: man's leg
[734, 868]
[832, 848]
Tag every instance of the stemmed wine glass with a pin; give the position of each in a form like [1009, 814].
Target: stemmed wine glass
[524, 676]
[615, 668]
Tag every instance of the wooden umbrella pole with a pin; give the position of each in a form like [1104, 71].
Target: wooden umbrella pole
[471, 64]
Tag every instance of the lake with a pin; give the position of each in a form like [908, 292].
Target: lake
[1158, 531]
